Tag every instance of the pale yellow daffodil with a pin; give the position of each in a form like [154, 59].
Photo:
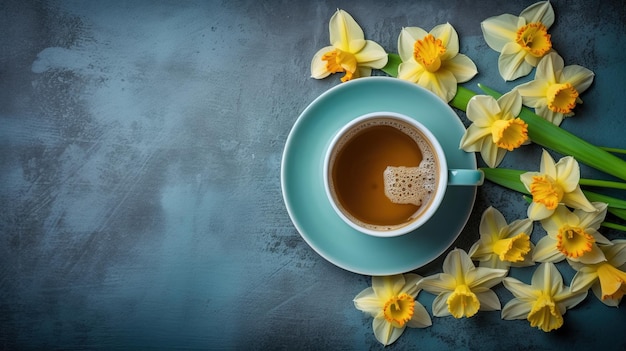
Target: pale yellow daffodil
[463, 289]
[391, 300]
[607, 279]
[555, 90]
[496, 128]
[521, 40]
[573, 236]
[349, 52]
[554, 184]
[502, 245]
[432, 60]
[544, 302]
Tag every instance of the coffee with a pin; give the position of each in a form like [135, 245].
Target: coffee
[383, 173]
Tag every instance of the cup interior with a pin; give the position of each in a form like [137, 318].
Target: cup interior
[364, 144]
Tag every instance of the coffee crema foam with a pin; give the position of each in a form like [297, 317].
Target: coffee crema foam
[402, 184]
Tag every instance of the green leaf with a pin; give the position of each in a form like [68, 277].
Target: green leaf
[393, 61]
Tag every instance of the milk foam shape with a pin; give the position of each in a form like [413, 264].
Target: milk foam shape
[410, 185]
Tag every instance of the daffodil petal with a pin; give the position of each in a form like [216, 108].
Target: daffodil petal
[406, 41]
[491, 222]
[499, 30]
[547, 277]
[368, 302]
[545, 251]
[597, 291]
[456, 258]
[384, 332]
[583, 280]
[537, 211]
[318, 66]
[616, 253]
[344, 30]
[549, 67]
[438, 283]
[386, 286]
[462, 67]
[519, 289]
[578, 76]
[592, 219]
[442, 83]
[577, 199]
[553, 117]
[449, 39]
[488, 300]
[485, 277]
[539, 12]
[420, 319]
[520, 226]
[440, 305]
[410, 285]
[492, 154]
[473, 138]
[411, 71]
[534, 93]
[547, 165]
[568, 173]
[592, 257]
[511, 62]
[569, 299]
[527, 178]
[515, 309]
[372, 55]
[511, 102]
[480, 110]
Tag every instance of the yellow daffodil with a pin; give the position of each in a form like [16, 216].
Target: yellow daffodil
[432, 60]
[521, 40]
[554, 184]
[391, 301]
[555, 91]
[607, 279]
[496, 128]
[544, 302]
[502, 245]
[572, 235]
[463, 289]
[349, 51]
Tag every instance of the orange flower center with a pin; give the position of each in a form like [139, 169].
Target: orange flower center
[534, 38]
[562, 97]
[398, 310]
[341, 61]
[574, 242]
[428, 52]
[509, 134]
[546, 191]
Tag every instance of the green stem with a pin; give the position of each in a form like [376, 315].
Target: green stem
[614, 150]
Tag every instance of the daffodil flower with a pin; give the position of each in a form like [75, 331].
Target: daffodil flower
[349, 51]
[607, 279]
[463, 289]
[544, 302]
[502, 245]
[555, 90]
[496, 128]
[521, 40]
[391, 301]
[432, 60]
[554, 184]
[573, 236]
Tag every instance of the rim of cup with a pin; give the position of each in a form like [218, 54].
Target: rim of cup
[438, 195]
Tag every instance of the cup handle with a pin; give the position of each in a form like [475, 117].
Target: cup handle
[465, 177]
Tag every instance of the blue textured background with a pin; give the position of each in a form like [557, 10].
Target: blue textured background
[140, 149]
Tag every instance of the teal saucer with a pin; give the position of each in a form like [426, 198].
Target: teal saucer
[303, 186]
